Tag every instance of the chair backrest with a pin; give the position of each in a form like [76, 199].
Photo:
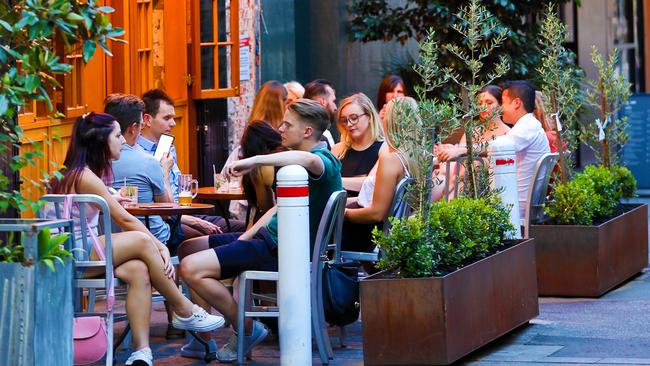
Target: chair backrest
[330, 228]
[448, 173]
[81, 223]
[537, 190]
[398, 207]
[82, 258]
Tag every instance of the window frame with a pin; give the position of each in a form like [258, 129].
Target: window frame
[233, 42]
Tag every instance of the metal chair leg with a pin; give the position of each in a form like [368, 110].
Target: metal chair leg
[342, 337]
[244, 286]
[122, 336]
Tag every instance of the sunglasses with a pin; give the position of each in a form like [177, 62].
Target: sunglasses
[352, 119]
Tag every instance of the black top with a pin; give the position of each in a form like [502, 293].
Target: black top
[356, 163]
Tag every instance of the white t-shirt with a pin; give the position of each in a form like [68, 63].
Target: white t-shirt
[530, 144]
[329, 137]
[368, 185]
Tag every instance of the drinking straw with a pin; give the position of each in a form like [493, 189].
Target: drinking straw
[125, 184]
[214, 170]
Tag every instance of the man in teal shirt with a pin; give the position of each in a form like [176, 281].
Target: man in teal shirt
[256, 249]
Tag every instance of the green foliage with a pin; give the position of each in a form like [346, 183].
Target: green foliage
[591, 195]
[625, 180]
[452, 235]
[606, 188]
[560, 80]
[607, 94]
[414, 135]
[468, 229]
[50, 249]
[29, 66]
[408, 249]
[573, 203]
[11, 252]
[385, 20]
[482, 35]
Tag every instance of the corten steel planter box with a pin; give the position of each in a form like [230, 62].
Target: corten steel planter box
[591, 260]
[438, 320]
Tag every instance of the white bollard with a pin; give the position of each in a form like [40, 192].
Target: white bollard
[504, 167]
[293, 266]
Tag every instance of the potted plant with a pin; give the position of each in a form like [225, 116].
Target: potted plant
[450, 283]
[592, 242]
[35, 272]
[36, 283]
[560, 82]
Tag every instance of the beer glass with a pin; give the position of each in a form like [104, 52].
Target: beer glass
[185, 195]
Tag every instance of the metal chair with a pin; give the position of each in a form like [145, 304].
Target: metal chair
[82, 258]
[459, 160]
[328, 238]
[398, 209]
[534, 211]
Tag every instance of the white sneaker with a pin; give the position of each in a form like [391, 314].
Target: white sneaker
[199, 321]
[141, 357]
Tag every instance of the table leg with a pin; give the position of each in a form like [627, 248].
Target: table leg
[224, 214]
[146, 222]
[175, 226]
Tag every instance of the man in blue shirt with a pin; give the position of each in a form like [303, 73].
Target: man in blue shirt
[158, 118]
[135, 166]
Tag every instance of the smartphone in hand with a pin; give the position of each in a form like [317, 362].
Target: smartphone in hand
[164, 146]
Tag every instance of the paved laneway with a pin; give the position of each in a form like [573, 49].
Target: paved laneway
[614, 330]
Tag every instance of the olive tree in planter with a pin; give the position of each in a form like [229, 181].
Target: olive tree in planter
[36, 278]
[560, 81]
[451, 283]
[592, 242]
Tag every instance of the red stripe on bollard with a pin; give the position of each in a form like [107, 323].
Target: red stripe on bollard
[504, 162]
[292, 191]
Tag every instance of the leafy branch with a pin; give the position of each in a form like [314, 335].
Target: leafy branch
[32, 32]
[606, 135]
[560, 80]
[483, 34]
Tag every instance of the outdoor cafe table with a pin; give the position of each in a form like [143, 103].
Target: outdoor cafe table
[168, 209]
[211, 194]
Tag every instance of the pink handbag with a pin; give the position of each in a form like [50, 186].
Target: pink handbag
[89, 333]
[90, 339]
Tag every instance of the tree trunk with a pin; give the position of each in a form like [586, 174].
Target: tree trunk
[604, 144]
[564, 173]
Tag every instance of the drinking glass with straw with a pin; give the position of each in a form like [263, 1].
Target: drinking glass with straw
[217, 180]
[130, 192]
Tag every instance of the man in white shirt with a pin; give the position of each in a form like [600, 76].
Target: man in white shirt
[527, 135]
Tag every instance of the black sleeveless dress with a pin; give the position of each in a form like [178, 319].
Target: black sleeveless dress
[356, 163]
[358, 237]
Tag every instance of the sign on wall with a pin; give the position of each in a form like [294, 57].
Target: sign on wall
[636, 153]
[244, 58]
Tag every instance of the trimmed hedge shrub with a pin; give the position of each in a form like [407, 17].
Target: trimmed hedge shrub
[455, 234]
[591, 195]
